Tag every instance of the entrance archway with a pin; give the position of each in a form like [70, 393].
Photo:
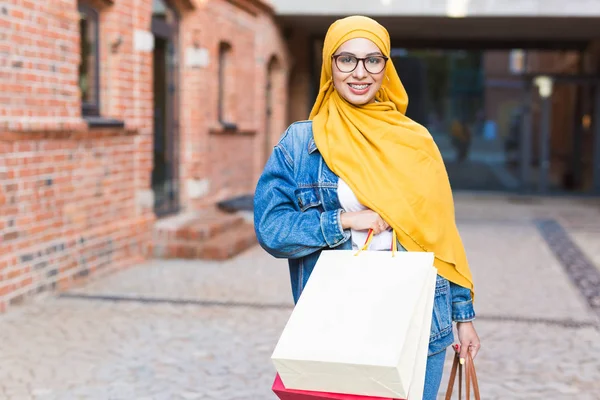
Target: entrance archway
[165, 171]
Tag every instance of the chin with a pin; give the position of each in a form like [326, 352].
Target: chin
[359, 100]
[362, 101]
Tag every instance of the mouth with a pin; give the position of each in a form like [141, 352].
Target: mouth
[359, 89]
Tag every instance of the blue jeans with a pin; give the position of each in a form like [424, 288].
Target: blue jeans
[433, 375]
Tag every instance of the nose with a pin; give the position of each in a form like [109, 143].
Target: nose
[360, 71]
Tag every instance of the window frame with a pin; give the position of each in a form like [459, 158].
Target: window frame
[91, 108]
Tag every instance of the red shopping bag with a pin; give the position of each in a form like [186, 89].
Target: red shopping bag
[291, 394]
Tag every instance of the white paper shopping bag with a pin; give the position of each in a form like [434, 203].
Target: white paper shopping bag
[361, 325]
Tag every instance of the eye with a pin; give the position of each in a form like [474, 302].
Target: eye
[347, 59]
[374, 60]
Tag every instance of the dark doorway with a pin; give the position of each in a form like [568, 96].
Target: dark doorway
[565, 135]
[165, 172]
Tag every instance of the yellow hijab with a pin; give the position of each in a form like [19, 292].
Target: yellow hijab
[390, 162]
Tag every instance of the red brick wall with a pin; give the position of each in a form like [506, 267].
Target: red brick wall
[38, 63]
[229, 158]
[76, 200]
[275, 62]
[254, 40]
[66, 208]
[300, 101]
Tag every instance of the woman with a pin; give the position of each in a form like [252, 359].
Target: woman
[361, 164]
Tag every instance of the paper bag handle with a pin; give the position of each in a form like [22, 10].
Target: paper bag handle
[370, 239]
[470, 378]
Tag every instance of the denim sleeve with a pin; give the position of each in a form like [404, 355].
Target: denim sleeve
[462, 304]
[281, 228]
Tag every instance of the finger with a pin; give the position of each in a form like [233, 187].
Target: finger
[384, 226]
[383, 223]
[464, 347]
[474, 349]
[376, 229]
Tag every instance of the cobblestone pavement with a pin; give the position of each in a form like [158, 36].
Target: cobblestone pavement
[205, 330]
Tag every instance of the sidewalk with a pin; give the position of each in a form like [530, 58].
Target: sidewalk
[205, 330]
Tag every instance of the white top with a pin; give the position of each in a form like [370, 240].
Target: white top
[350, 203]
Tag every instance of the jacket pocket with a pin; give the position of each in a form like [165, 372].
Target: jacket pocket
[307, 198]
[441, 321]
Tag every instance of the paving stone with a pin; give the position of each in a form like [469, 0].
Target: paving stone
[205, 330]
[589, 242]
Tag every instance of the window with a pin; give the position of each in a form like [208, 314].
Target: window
[225, 87]
[89, 71]
[163, 11]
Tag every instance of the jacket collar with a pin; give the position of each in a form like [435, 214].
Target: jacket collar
[312, 147]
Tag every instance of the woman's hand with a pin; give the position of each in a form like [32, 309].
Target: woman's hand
[363, 221]
[468, 338]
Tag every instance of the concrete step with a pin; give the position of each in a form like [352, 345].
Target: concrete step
[209, 226]
[229, 243]
[210, 235]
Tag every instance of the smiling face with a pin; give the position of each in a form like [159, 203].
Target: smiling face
[359, 86]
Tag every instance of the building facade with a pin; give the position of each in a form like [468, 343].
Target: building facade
[123, 122]
[115, 114]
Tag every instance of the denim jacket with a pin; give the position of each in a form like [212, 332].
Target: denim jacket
[297, 214]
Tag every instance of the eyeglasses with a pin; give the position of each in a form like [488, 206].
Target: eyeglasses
[347, 63]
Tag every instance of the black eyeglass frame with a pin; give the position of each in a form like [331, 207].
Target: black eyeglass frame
[358, 60]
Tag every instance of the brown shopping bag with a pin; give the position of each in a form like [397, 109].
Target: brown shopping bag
[468, 369]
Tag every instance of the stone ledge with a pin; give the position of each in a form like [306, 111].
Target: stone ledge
[67, 134]
[95, 122]
[222, 132]
[234, 130]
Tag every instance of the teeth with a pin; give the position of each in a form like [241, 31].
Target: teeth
[359, 87]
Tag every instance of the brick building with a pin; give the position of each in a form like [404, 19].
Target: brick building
[115, 114]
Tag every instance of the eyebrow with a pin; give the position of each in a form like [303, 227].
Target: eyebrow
[377, 53]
